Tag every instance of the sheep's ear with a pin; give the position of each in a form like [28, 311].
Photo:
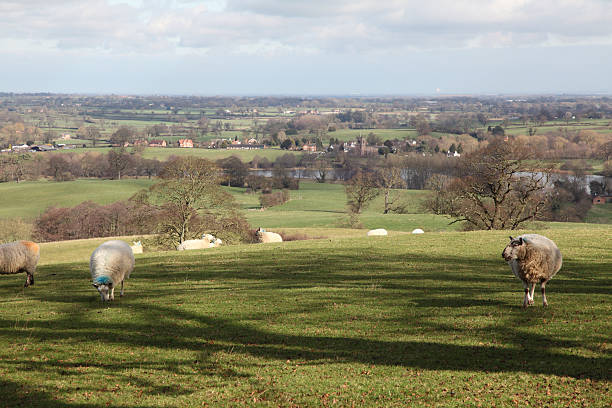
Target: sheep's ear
[95, 285]
[511, 239]
[521, 241]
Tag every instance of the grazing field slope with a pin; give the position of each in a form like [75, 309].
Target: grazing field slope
[31, 198]
[403, 320]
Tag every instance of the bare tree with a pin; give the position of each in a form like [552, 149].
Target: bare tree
[389, 176]
[118, 161]
[188, 191]
[496, 188]
[361, 189]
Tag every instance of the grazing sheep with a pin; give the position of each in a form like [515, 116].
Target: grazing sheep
[20, 256]
[533, 259]
[418, 231]
[110, 263]
[137, 247]
[377, 232]
[193, 244]
[267, 237]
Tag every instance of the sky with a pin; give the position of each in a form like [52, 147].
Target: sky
[309, 47]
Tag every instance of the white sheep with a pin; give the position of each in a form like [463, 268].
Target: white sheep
[20, 256]
[377, 232]
[533, 259]
[137, 247]
[193, 244]
[213, 241]
[418, 231]
[110, 263]
[267, 236]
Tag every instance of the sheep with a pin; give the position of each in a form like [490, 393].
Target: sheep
[267, 237]
[110, 263]
[137, 247]
[19, 256]
[214, 241]
[377, 232]
[193, 244]
[418, 231]
[533, 259]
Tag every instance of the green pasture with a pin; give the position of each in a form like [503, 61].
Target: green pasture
[29, 199]
[313, 205]
[324, 205]
[163, 153]
[403, 320]
[384, 134]
[215, 154]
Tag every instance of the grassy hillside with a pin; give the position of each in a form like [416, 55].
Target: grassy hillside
[29, 199]
[403, 320]
[211, 154]
[313, 205]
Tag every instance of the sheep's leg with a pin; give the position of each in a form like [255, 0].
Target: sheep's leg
[526, 298]
[29, 279]
[121, 293]
[543, 288]
[533, 285]
[112, 293]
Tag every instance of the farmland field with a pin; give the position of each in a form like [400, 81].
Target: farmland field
[403, 320]
[314, 204]
[211, 154]
[29, 199]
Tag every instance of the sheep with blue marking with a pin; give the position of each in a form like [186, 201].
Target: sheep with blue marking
[110, 264]
[534, 259]
[20, 256]
[136, 247]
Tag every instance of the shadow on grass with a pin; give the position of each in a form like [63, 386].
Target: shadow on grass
[304, 285]
[20, 395]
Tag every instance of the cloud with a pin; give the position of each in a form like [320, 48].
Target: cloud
[290, 28]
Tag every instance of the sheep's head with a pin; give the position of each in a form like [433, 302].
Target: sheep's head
[260, 231]
[514, 249]
[104, 286]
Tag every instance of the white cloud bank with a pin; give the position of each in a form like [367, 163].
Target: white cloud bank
[296, 28]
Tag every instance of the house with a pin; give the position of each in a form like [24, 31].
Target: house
[309, 147]
[20, 148]
[602, 199]
[185, 143]
[157, 143]
[453, 154]
[141, 142]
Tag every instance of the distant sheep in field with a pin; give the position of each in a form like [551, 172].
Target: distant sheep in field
[213, 241]
[20, 256]
[377, 232]
[137, 247]
[418, 231]
[267, 236]
[533, 259]
[193, 244]
[110, 263]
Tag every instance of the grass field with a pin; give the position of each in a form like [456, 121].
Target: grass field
[29, 199]
[211, 154]
[404, 320]
[313, 205]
